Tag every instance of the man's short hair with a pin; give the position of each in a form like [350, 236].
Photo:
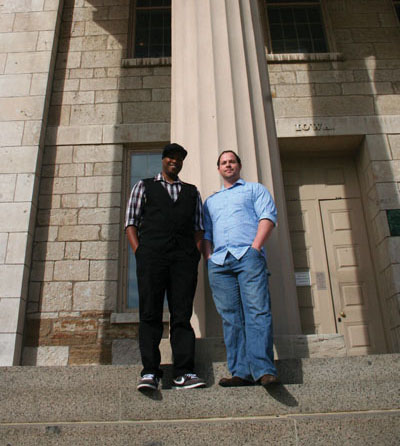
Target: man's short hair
[229, 151]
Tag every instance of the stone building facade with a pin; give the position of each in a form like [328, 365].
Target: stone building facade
[320, 129]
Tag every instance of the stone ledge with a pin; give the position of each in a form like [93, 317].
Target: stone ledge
[131, 318]
[146, 62]
[304, 57]
[272, 58]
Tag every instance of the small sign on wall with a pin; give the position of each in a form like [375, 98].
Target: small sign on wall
[303, 278]
[321, 280]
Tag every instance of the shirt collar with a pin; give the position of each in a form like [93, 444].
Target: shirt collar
[159, 177]
[239, 181]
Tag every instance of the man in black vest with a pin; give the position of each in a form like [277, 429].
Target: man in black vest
[165, 230]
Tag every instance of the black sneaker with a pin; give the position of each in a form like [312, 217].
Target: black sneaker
[188, 381]
[148, 382]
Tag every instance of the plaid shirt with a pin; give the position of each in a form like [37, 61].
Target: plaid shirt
[137, 200]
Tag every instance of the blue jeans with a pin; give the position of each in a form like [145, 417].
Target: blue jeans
[240, 291]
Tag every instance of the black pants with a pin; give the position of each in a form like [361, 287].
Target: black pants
[173, 273]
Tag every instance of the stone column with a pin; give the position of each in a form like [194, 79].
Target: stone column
[221, 100]
[28, 39]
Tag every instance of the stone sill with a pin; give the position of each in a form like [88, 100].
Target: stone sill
[146, 62]
[131, 318]
[271, 58]
[304, 57]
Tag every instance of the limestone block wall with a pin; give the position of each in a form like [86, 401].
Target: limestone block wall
[28, 33]
[75, 256]
[96, 107]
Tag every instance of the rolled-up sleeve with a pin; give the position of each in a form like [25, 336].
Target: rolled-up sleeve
[135, 204]
[264, 205]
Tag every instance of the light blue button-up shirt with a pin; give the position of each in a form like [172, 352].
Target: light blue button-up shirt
[231, 218]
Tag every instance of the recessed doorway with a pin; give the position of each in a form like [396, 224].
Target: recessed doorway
[335, 277]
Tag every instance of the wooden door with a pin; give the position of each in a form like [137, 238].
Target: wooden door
[352, 277]
[309, 257]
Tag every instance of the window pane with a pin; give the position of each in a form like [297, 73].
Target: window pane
[306, 46]
[142, 38]
[156, 50]
[140, 52]
[287, 15]
[167, 37]
[138, 165]
[276, 32]
[300, 15]
[303, 31]
[296, 29]
[154, 164]
[132, 298]
[317, 32]
[319, 46]
[274, 16]
[143, 165]
[289, 32]
[313, 15]
[278, 46]
[291, 46]
[157, 36]
[157, 19]
[142, 19]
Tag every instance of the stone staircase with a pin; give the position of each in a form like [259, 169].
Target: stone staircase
[322, 401]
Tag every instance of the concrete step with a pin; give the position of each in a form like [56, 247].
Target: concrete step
[373, 428]
[55, 405]
[108, 393]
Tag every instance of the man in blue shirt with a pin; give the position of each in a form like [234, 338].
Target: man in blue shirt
[238, 219]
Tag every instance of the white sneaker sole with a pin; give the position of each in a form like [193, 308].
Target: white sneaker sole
[190, 386]
[146, 387]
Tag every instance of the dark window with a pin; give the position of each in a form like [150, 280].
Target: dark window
[296, 26]
[151, 28]
[397, 7]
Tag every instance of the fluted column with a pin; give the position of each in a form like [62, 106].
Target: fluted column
[221, 100]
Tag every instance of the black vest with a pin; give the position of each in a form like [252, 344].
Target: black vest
[166, 224]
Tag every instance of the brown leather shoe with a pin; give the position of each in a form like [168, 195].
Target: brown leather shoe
[235, 381]
[267, 380]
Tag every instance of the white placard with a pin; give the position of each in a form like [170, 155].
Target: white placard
[303, 278]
